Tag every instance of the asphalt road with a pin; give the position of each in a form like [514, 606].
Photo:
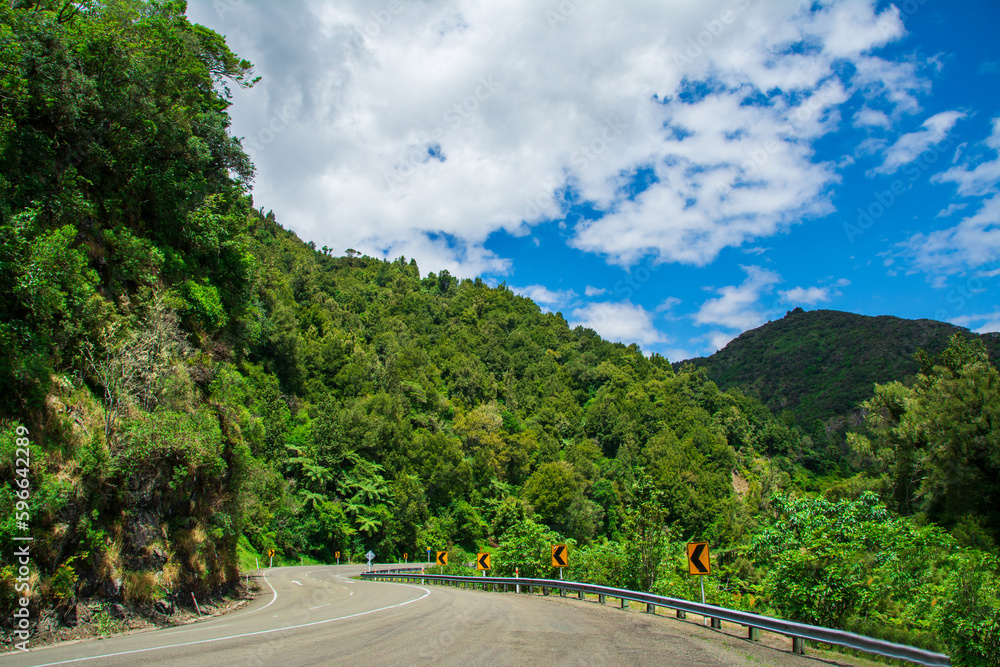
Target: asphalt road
[319, 616]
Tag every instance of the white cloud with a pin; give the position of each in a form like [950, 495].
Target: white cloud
[620, 321]
[737, 307]
[986, 323]
[984, 178]
[909, 146]
[871, 118]
[975, 241]
[809, 296]
[423, 131]
[951, 208]
[543, 296]
[972, 243]
[667, 304]
[678, 354]
[714, 341]
[594, 291]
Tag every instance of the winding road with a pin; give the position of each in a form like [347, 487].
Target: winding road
[320, 616]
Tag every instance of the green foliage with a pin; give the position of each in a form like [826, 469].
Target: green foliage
[936, 443]
[851, 564]
[200, 386]
[969, 618]
[526, 547]
[822, 363]
[645, 536]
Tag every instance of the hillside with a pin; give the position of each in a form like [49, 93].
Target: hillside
[186, 384]
[196, 384]
[823, 363]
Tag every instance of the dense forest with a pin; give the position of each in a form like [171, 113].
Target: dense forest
[197, 385]
[822, 363]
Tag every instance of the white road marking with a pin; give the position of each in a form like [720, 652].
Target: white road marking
[246, 634]
[180, 631]
[264, 575]
[321, 606]
[296, 582]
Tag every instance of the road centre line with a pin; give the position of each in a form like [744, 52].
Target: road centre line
[246, 634]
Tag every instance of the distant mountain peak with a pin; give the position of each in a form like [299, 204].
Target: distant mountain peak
[822, 363]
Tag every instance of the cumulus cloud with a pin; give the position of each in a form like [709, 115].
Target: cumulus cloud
[972, 243]
[984, 323]
[738, 306]
[906, 149]
[423, 128]
[871, 118]
[594, 291]
[808, 296]
[621, 321]
[982, 179]
[975, 241]
[543, 296]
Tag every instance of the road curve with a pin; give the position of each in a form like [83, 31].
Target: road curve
[319, 616]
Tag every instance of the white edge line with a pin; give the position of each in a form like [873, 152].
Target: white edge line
[247, 634]
[264, 575]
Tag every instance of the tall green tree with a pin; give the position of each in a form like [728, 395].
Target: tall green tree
[937, 444]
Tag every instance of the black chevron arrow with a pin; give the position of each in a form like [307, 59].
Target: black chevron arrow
[484, 561]
[558, 555]
[696, 558]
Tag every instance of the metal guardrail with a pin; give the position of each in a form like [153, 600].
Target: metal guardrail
[393, 570]
[755, 622]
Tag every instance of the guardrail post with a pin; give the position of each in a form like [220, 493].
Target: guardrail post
[650, 608]
[624, 603]
[717, 623]
[798, 645]
[754, 634]
[681, 614]
[562, 592]
[545, 590]
[600, 598]
[581, 595]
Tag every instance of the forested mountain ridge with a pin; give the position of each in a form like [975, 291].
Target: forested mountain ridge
[822, 363]
[192, 376]
[196, 385]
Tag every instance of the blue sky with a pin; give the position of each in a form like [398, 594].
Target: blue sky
[668, 173]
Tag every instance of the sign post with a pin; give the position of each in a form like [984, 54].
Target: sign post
[337, 554]
[699, 563]
[270, 554]
[560, 558]
[442, 559]
[405, 555]
[428, 555]
[369, 556]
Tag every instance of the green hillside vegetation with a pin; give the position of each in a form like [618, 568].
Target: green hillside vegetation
[195, 383]
[823, 363]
